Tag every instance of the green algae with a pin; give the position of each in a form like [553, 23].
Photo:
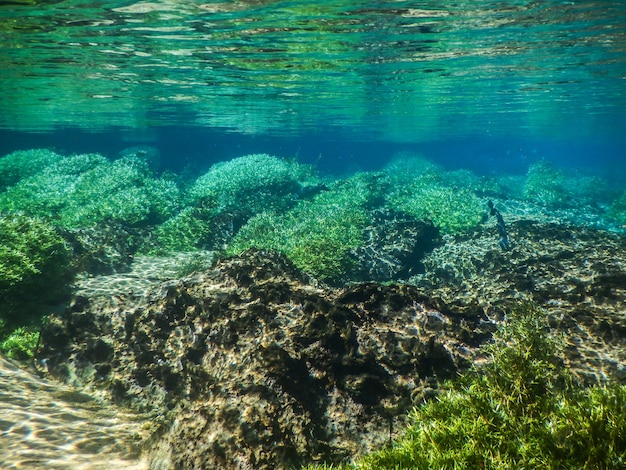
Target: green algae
[34, 273]
[84, 190]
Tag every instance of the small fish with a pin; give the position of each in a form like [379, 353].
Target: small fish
[504, 242]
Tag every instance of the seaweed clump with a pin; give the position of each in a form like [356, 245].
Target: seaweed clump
[425, 191]
[521, 409]
[88, 189]
[223, 199]
[318, 235]
[34, 274]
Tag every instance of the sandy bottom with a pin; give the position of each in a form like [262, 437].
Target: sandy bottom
[46, 425]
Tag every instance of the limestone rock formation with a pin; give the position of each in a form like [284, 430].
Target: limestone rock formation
[576, 274]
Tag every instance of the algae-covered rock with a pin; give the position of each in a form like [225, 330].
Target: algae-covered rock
[393, 247]
[259, 367]
[578, 275]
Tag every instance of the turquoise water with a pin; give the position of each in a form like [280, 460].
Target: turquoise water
[500, 80]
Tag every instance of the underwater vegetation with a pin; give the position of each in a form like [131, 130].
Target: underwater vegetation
[34, 272]
[552, 187]
[317, 235]
[23, 163]
[254, 201]
[84, 190]
[617, 210]
[220, 201]
[521, 409]
[424, 190]
[20, 343]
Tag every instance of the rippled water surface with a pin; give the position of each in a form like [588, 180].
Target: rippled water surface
[397, 70]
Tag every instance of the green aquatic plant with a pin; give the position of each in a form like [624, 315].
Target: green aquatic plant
[122, 191]
[546, 185]
[553, 187]
[317, 234]
[522, 409]
[250, 184]
[453, 210]
[188, 230]
[23, 163]
[617, 210]
[406, 168]
[20, 344]
[34, 268]
[30, 250]
[84, 190]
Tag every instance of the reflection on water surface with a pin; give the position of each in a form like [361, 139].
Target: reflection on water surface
[386, 68]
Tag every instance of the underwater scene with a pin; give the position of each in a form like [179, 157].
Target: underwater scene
[273, 234]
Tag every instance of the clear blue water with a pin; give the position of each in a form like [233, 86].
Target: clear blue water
[488, 85]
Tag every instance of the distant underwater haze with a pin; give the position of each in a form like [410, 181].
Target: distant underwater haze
[333, 73]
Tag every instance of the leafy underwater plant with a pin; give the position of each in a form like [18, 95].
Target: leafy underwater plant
[84, 190]
[617, 210]
[250, 184]
[20, 344]
[550, 186]
[317, 234]
[452, 210]
[34, 272]
[520, 410]
[24, 163]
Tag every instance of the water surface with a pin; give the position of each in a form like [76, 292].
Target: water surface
[389, 71]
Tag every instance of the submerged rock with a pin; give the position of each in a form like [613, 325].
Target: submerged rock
[576, 274]
[251, 365]
[393, 248]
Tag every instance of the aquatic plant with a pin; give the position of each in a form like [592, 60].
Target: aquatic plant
[188, 230]
[546, 185]
[250, 184]
[405, 168]
[23, 163]
[453, 210]
[34, 271]
[550, 186]
[122, 191]
[522, 409]
[317, 234]
[20, 344]
[83, 190]
[30, 249]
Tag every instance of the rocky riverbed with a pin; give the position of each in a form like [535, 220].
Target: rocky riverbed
[251, 364]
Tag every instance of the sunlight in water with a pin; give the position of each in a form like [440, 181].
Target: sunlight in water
[52, 426]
